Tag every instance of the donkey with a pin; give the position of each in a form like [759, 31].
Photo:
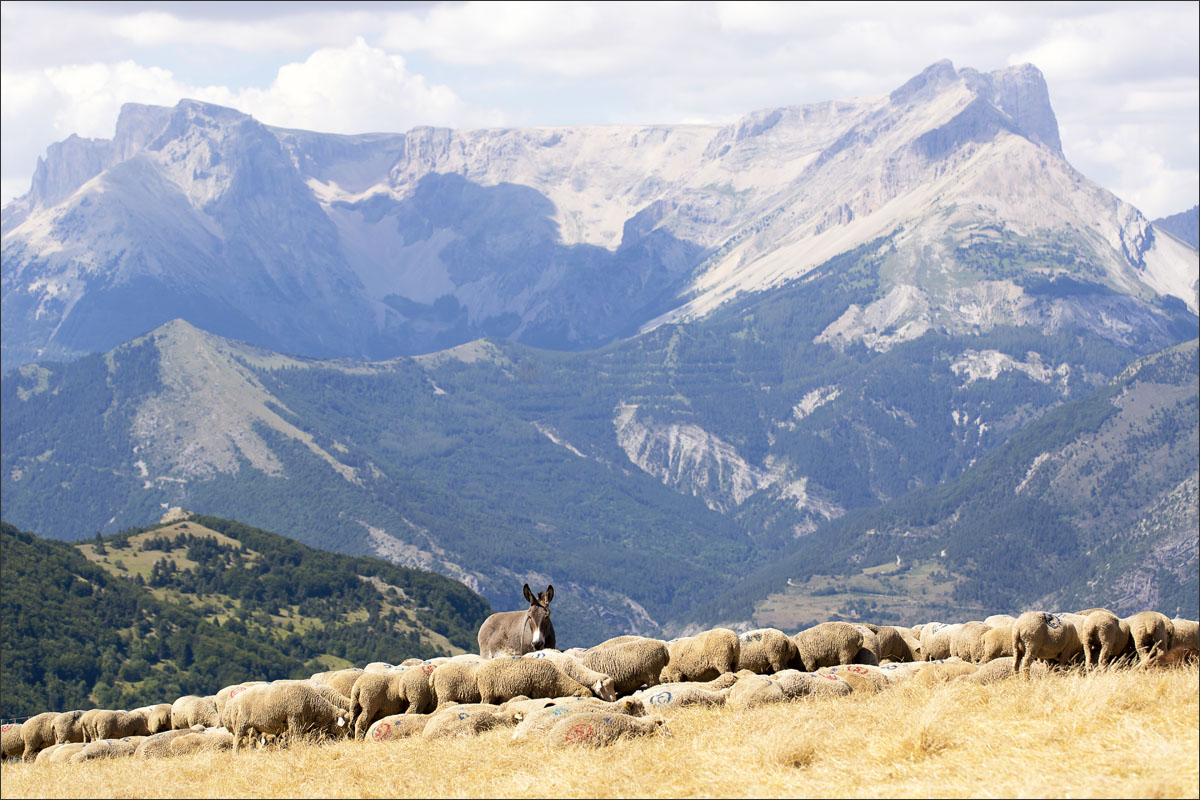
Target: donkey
[519, 632]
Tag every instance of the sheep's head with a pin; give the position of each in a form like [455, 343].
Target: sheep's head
[605, 689]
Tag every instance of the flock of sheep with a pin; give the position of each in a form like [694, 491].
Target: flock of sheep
[594, 696]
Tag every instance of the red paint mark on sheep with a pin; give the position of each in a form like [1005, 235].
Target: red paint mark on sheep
[579, 733]
[859, 670]
[381, 731]
[831, 677]
[429, 668]
[236, 691]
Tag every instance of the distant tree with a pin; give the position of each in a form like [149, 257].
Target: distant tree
[101, 550]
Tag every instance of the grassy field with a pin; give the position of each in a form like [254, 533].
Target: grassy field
[1108, 734]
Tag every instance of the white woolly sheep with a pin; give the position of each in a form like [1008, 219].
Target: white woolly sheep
[598, 729]
[374, 666]
[537, 723]
[862, 677]
[159, 744]
[967, 642]
[702, 657]
[453, 722]
[454, 682]
[1001, 668]
[638, 661]
[106, 748]
[504, 678]
[340, 679]
[68, 727]
[221, 698]
[869, 652]
[936, 638]
[397, 726]
[118, 724]
[191, 710]
[796, 683]
[996, 620]
[1104, 637]
[211, 740]
[600, 683]
[754, 690]
[896, 644]
[826, 645]
[676, 695]
[37, 733]
[765, 650]
[58, 753]
[1150, 633]
[996, 642]
[292, 709]
[943, 671]
[11, 743]
[158, 717]
[1040, 635]
[1185, 633]
[373, 696]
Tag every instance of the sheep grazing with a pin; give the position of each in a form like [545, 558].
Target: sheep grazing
[68, 727]
[106, 748]
[676, 695]
[117, 725]
[191, 710]
[375, 695]
[1185, 633]
[1174, 657]
[397, 726]
[702, 657]
[997, 641]
[1150, 633]
[996, 620]
[869, 652]
[1104, 637]
[1039, 635]
[504, 678]
[765, 650]
[11, 743]
[374, 666]
[158, 717]
[538, 723]
[754, 690]
[632, 663]
[37, 733]
[936, 638]
[291, 709]
[896, 644]
[826, 645]
[340, 679]
[58, 753]
[967, 642]
[944, 671]
[417, 683]
[861, 677]
[221, 698]
[1002, 668]
[599, 729]
[159, 744]
[454, 682]
[453, 723]
[601, 684]
[794, 683]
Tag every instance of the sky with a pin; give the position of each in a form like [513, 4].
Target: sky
[1124, 79]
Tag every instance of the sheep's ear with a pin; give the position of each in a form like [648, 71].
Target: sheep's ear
[549, 593]
[528, 594]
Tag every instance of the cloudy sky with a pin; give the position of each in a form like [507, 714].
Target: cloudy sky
[1123, 77]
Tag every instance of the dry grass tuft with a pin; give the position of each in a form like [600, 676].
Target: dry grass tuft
[1107, 734]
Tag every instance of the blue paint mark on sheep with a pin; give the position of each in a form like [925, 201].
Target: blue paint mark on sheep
[463, 715]
[660, 699]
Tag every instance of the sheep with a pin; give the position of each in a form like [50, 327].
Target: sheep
[996, 620]
[861, 677]
[702, 657]
[538, 723]
[869, 652]
[191, 710]
[896, 644]
[599, 728]
[341, 679]
[211, 740]
[11, 743]
[452, 722]
[159, 745]
[106, 748]
[397, 726]
[1174, 657]
[795, 683]
[1104, 637]
[620, 640]
[503, 678]
[754, 690]
[936, 638]
[158, 717]
[37, 732]
[675, 695]
[374, 666]
[118, 724]
[996, 642]
[67, 727]
[411, 662]
[1037, 634]
[944, 671]
[1186, 633]
[1150, 633]
[1000, 668]
[290, 709]
[967, 642]
[375, 695]
[225, 695]
[826, 645]
[601, 684]
[454, 682]
[58, 753]
[632, 663]
[765, 650]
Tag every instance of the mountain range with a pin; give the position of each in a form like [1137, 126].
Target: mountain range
[672, 370]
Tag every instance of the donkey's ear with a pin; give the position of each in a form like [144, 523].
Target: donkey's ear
[528, 594]
[549, 593]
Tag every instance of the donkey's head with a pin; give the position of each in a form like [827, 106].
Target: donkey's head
[538, 619]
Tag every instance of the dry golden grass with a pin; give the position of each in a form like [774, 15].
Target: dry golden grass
[1108, 734]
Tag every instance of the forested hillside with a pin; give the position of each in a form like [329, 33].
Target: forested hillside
[185, 607]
